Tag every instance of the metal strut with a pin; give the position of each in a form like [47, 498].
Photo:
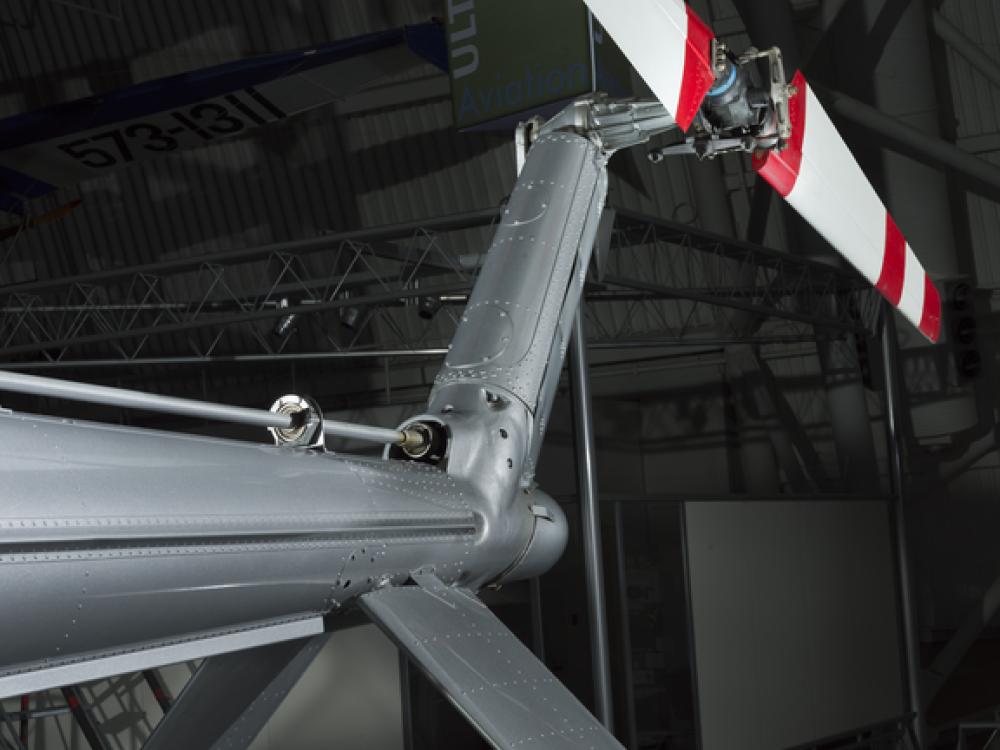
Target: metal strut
[289, 420]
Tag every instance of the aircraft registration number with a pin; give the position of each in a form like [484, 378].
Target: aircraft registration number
[190, 126]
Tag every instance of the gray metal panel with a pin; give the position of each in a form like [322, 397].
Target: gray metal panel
[135, 660]
[231, 697]
[517, 306]
[796, 630]
[513, 335]
[483, 669]
[115, 541]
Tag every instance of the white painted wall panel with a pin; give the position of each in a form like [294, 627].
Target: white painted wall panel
[348, 698]
[794, 613]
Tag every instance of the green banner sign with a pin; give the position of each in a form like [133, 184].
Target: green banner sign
[510, 57]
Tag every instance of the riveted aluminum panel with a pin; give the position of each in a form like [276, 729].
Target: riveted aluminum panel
[116, 540]
[483, 669]
[199, 646]
[506, 333]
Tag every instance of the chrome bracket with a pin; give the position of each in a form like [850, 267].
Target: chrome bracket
[613, 124]
[526, 134]
[780, 91]
[306, 430]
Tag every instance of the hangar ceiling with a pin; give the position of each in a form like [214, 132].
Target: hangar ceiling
[385, 157]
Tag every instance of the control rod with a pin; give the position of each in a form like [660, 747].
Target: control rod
[128, 399]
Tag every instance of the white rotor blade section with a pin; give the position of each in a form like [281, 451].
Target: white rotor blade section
[817, 174]
[669, 46]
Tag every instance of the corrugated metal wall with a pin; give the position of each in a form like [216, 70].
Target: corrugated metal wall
[977, 112]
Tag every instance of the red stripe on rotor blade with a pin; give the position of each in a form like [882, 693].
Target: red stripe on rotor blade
[781, 168]
[698, 72]
[890, 280]
[930, 318]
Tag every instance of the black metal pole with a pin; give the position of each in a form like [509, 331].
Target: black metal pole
[591, 517]
[911, 636]
[158, 688]
[83, 718]
[632, 731]
[23, 728]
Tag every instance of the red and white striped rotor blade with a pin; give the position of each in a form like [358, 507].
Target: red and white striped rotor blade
[669, 46]
[817, 174]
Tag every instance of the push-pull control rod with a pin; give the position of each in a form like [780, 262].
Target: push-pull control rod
[127, 399]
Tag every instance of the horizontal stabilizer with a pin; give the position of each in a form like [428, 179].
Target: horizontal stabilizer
[492, 678]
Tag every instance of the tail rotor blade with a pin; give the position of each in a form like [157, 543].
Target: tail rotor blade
[669, 46]
[817, 174]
